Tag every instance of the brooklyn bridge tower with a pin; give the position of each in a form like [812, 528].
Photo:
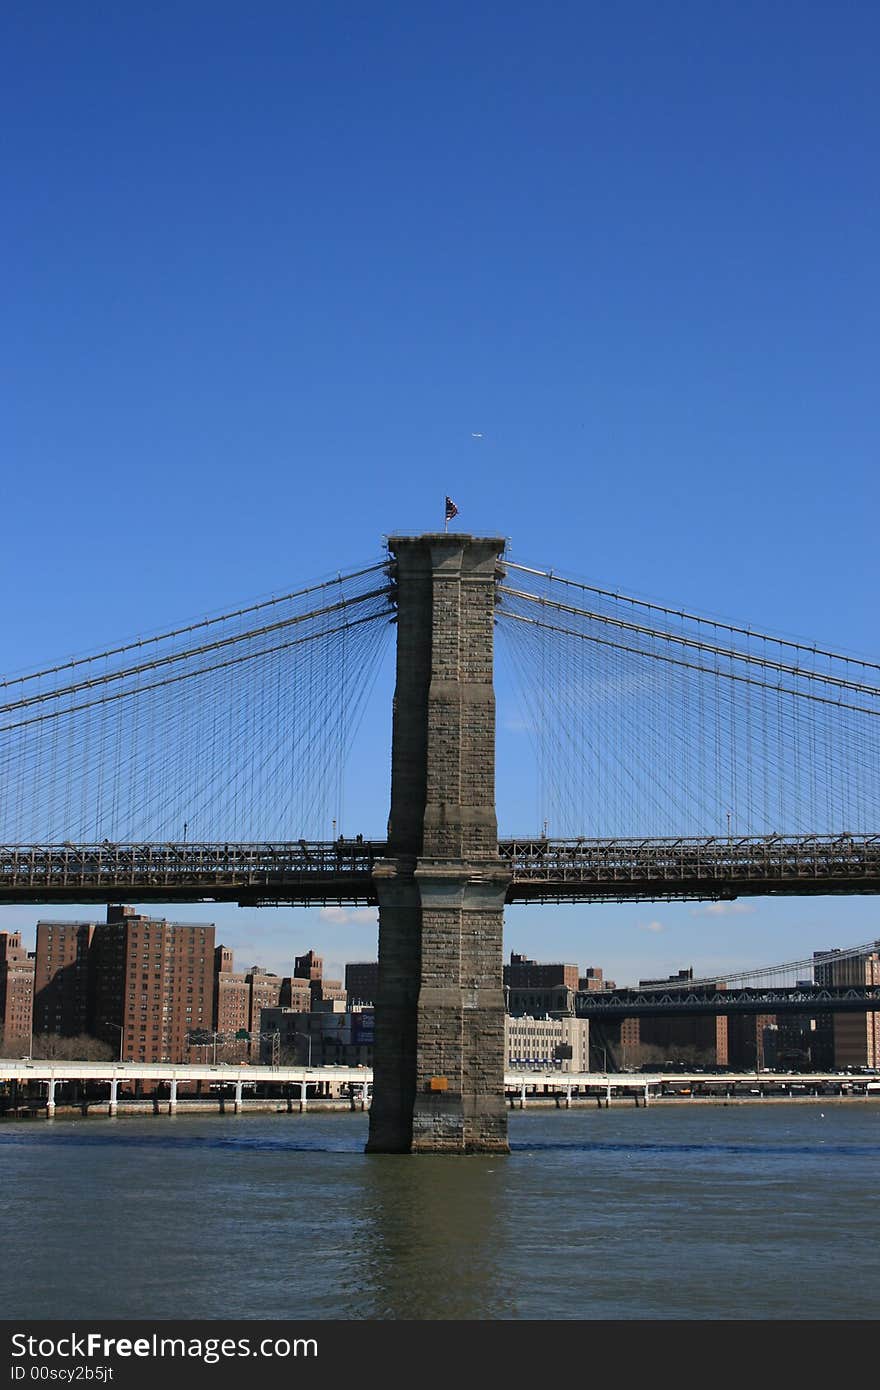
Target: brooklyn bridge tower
[439, 1052]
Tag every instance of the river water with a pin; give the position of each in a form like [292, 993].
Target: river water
[758, 1211]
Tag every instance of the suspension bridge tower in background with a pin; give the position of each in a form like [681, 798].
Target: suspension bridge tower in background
[439, 1048]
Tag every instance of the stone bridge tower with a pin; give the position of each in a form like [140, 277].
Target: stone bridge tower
[439, 1049]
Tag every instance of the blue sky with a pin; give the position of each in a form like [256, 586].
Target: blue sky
[267, 270]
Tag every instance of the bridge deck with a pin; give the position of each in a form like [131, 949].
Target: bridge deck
[767, 999]
[691, 868]
[341, 871]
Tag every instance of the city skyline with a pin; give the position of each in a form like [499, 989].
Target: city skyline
[283, 962]
[153, 991]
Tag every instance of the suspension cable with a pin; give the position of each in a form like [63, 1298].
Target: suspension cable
[127, 672]
[190, 675]
[192, 627]
[692, 617]
[691, 666]
[733, 653]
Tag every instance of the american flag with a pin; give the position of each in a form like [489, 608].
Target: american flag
[451, 509]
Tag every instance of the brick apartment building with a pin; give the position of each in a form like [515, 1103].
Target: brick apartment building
[153, 984]
[362, 981]
[539, 988]
[523, 973]
[138, 983]
[850, 1040]
[16, 994]
[752, 1041]
[265, 993]
[310, 967]
[701, 1037]
[63, 981]
[253, 1000]
[145, 986]
[593, 978]
[232, 1006]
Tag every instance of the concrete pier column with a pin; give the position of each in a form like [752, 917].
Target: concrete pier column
[114, 1093]
[172, 1098]
[50, 1097]
[237, 1102]
[303, 1099]
[439, 1048]
[608, 1096]
[568, 1097]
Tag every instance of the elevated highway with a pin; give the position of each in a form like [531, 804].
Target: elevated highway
[23, 1075]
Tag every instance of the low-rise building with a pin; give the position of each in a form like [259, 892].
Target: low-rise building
[331, 1035]
[550, 1044]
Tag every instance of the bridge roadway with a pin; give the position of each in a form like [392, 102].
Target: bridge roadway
[542, 870]
[654, 1003]
[518, 1085]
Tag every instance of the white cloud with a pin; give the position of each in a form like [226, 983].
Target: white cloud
[346, 915]
[515, 725]
[722, 910]
[650, 926]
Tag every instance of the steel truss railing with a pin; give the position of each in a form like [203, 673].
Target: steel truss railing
[701, 867]
[300, 871]
[639, 1003]
[341, 871]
